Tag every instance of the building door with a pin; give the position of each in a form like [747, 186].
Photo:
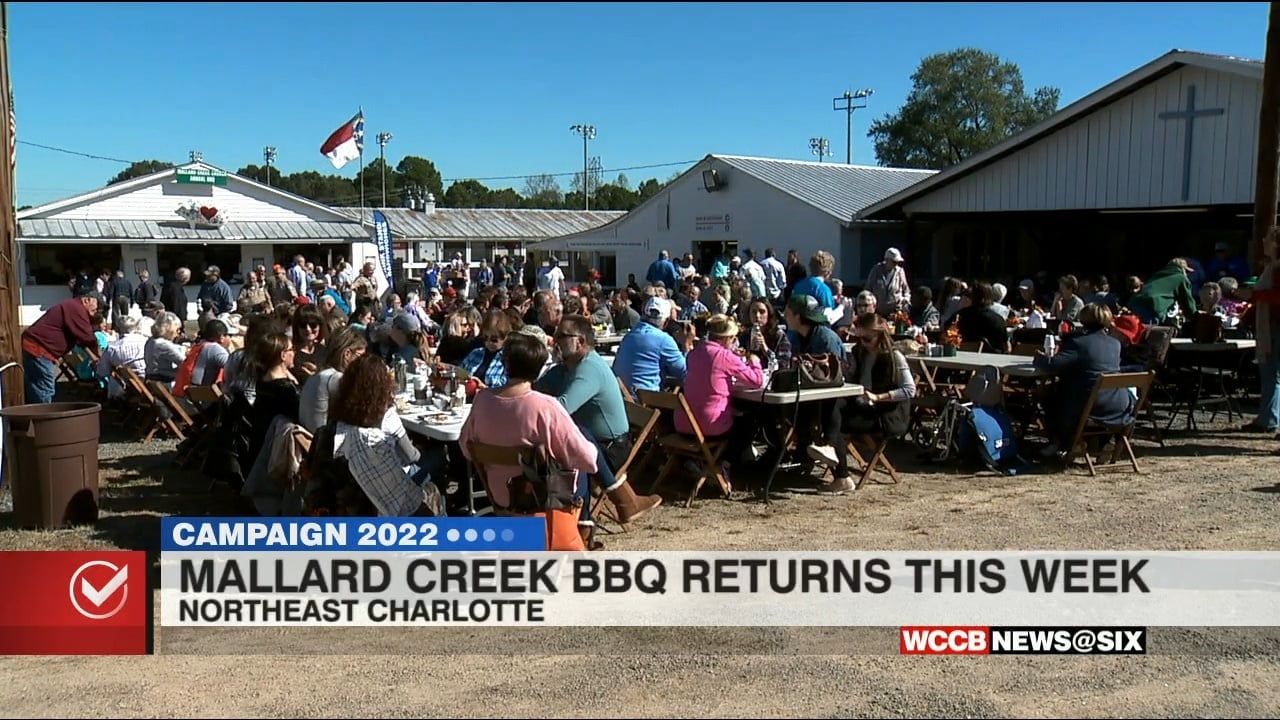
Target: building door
[706, 252]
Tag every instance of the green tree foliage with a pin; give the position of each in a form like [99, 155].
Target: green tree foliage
[467, 194]
[138, 169]
[417, 173]
[962, 103]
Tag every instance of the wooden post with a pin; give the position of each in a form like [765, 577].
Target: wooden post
[10, 273]
[1268, 181]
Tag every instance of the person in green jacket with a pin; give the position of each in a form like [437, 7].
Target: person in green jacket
[1170, 286]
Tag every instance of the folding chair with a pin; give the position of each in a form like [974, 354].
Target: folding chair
[154, 415]
[700, 448]
[203, 396]
[1090, 430]
[642, 421]
[879, 461]
[179, 419]
[559, 522]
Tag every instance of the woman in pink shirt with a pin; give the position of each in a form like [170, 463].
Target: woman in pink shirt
[714, 367]
[517, 416]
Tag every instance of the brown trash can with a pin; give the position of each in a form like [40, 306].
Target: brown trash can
[52, 452]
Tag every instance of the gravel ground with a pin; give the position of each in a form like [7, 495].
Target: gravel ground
[1216, 490]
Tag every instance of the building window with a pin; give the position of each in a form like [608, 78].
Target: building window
[50, 264]
[198, 257]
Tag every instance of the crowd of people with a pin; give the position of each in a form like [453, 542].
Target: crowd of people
[304, 349]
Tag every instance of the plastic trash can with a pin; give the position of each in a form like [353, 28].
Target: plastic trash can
[53, 463]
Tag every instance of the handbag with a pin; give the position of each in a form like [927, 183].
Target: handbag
[809, 372]
[542, 485]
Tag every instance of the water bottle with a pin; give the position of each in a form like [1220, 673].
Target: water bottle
[402, 374]
[756, 342]
[1050, 345]
[784, 352]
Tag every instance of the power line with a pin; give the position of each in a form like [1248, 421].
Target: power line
[74, 152]
[448, 180]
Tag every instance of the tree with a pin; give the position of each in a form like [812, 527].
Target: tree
[543, 191]
[962, 103]
[615, 197]
[648, 189]
[417, 175]
[505, 198]
[138, 169]
[259, 173]
[372, 174]
[467, 194]
[623, 181]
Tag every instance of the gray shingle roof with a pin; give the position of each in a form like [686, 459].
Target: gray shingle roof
[840, 190]
[53, 229]
[488, 223]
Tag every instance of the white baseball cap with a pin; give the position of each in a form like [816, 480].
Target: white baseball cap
[657, 307]
[893, 254]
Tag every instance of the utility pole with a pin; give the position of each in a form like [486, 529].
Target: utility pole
[269, 156]
[10, 277]
[820, 147]
[1268, 182]
[848, 107]
[588, 132]
[383, 139]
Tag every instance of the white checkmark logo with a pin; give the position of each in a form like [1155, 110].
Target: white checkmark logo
[98, 596]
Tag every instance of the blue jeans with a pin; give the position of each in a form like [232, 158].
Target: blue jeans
[39, 378]
[430, 466]
[1269, 371]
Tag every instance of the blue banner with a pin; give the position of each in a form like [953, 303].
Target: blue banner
[382, 239]
[371, 534]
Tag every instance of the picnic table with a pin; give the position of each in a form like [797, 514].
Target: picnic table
[421, 422]
[1012, 365]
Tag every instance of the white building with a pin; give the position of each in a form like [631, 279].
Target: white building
[1159, 163]
[235, 223]
[727, 202]
[435, 234]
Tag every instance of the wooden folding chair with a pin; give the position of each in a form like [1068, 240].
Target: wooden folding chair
[642, 420]
[209, 399]
[153, 416]
[558, 521]
[705, 451]
[1089, 430]
[179, 420]
[626, 394]
[879, 461]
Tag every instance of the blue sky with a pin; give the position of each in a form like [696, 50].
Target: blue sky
[491, 89]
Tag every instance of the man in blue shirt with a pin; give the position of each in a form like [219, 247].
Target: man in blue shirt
[664, 271]
[647, 355]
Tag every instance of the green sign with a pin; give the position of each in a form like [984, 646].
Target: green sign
[195, 176]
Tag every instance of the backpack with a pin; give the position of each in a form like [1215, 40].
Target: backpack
[987, 438]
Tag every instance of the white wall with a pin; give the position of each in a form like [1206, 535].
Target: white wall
[760, 216]
[1124, 155]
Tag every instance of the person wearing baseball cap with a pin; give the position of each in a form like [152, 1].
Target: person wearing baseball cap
[648, 355]
[810, 334]
[888, 282]
[216, 289]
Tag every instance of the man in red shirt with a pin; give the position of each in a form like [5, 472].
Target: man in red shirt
[62, 327]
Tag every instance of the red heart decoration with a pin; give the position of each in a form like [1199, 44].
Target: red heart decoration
[208, 212]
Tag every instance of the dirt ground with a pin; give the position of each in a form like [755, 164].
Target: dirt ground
[1215, 490]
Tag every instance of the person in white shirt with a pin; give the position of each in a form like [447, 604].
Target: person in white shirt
[687, 269]
[754, 274]
[775, 275]
[551, 277]
[129, 349]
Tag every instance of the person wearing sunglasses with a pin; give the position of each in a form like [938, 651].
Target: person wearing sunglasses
[486, 363]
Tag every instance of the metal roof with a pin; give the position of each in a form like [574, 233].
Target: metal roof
[1167, 63]
[840, 190]
[41, 228]
[487, 223]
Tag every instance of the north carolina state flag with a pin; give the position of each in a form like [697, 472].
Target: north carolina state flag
[346, 143]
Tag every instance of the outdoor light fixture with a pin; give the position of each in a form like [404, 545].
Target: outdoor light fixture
[711, 180]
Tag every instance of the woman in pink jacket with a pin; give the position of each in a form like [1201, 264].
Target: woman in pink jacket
[714, 368]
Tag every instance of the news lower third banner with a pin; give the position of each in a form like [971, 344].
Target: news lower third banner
[337, 573]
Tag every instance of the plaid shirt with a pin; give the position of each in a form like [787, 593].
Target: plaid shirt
[375, 461]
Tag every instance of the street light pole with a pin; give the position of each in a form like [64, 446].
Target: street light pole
[588, 132]
[848, 107]
[383, 139]
[820, 147]
[269, 155]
